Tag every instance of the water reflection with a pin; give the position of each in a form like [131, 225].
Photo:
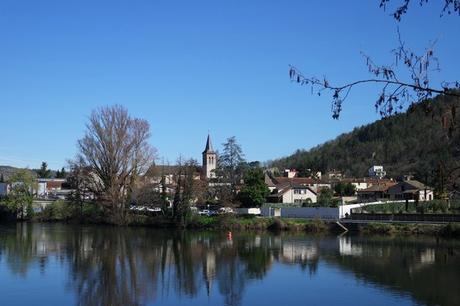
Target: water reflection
[137, 266]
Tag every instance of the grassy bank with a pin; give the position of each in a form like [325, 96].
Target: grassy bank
[231, 222]
[61, 211]
[451, 230]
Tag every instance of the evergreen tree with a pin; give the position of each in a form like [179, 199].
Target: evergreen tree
[231, 163]
[254, 191]
[61, 173]
[44, 172]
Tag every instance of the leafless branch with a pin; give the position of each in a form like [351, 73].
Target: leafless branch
[394, 92]
[450, 6]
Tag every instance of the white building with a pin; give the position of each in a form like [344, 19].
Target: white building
[297, 194]
[377, 171]
[290, 173]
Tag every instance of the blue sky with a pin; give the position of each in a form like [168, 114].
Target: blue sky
[193, 66]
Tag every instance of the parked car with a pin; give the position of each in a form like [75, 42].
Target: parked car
[226, 210]
[204, 212]
[207, 212]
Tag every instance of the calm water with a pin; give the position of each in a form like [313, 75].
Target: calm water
[73, 265]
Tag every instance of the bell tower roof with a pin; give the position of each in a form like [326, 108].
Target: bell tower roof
[208, 148]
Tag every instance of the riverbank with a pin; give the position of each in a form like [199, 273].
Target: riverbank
[62, 212]
[254, 223]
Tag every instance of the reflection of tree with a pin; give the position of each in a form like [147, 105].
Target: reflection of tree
[108, 268]
[16, 248]
[257, 256]
[119, 266]
[231, 276]
[428, 271]
[184, 264]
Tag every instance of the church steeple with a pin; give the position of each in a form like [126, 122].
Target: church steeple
[209, 160]
[208, 148]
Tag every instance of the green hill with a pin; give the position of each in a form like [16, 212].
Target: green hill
[414, 142]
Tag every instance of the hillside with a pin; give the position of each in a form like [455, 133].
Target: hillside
[412, 142]
[7, 171]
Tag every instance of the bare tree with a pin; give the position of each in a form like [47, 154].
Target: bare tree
[449, 7]
[116, 149]
[187, 188]
[80, 181]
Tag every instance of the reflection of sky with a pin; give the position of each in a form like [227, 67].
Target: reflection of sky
[35, 287]
[283, 285]
[288, 285]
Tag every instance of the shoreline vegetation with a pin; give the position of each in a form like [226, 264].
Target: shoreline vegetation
[64, 212]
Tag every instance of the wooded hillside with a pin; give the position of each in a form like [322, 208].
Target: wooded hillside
[414, 142]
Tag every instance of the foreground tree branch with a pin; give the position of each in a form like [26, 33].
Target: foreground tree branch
[395, 91]
[449, 7]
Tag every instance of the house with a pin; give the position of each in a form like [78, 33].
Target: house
[359, 183]
[314, 184]
[376, 171]
[293, 193]
[290, 173]
[46, 187]
[334, 174]
[411, 190]
[365, 182]
[376, 192]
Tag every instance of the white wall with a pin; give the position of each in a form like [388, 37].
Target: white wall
[248, 211]
[325, 213]
[311, 212]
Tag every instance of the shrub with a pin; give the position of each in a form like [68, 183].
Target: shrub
[316, 226]
[451, 230]
[378, 228]
[277, 225]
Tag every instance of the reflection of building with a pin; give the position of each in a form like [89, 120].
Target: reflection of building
[209, 269]
[428, 256]
[295, 252]
[347, 248]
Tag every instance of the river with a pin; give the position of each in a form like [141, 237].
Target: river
[56, 264]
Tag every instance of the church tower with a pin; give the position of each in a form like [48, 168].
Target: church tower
[209, 160]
